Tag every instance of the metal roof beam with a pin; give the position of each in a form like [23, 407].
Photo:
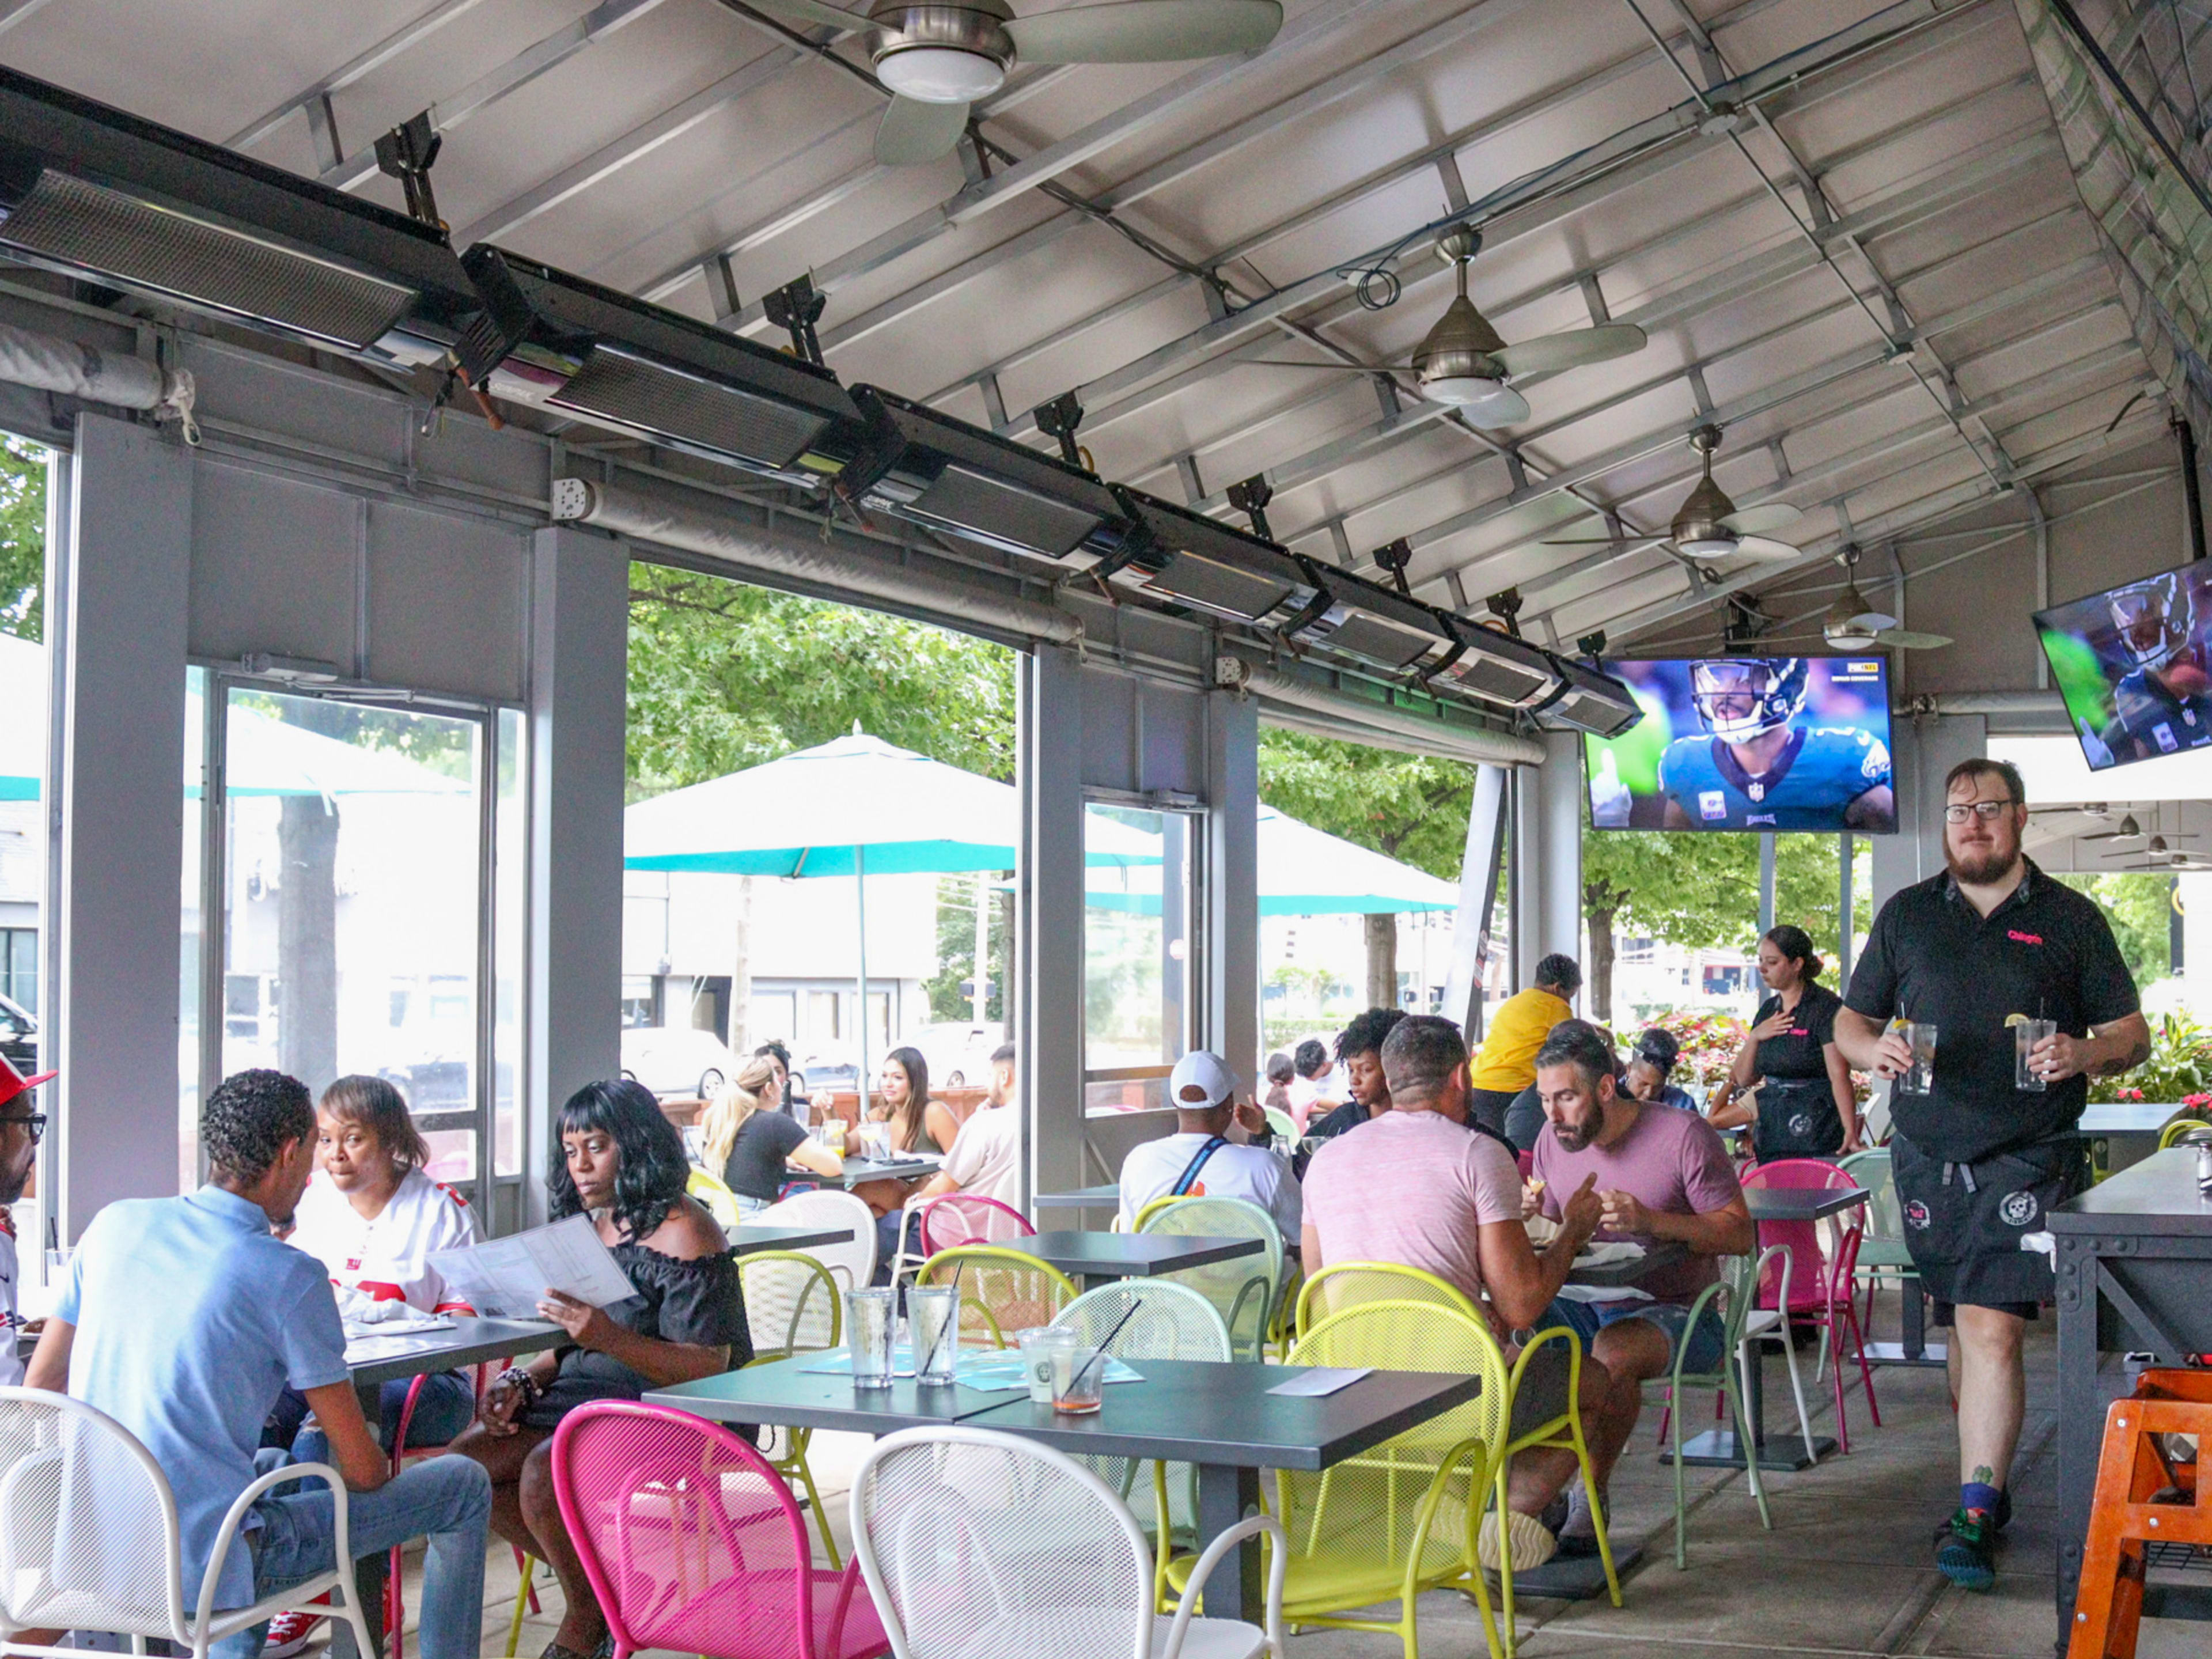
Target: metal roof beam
[408, 34]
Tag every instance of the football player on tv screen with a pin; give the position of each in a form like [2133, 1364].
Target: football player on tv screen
[1758, 766]
[2160, 706]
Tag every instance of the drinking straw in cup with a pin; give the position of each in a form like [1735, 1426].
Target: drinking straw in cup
[934, 1312]
[2025, 1034]
[1078, 1378]
[868, 1325]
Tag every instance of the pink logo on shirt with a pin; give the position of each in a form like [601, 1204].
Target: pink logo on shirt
[2024, 938]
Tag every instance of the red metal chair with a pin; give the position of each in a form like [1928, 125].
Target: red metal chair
[692, 1543]
[1821, 1290]
[947, 1223]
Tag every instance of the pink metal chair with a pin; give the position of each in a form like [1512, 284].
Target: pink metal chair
[1821, 1292]
[952, 1220]
[692, 1543]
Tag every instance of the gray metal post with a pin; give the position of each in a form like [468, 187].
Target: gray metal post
[1228, 944]
[1845, 852]
[1478, 888]
[1766, 882]
[1047, 979]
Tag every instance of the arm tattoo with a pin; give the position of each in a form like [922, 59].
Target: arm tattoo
[2138, 1052]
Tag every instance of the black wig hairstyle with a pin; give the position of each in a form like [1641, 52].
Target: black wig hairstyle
[650, 1179]
[1365, 1033]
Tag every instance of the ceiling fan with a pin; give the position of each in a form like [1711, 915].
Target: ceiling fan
[936, 60]
[1709, 525]
[1464, 363]
[1855, 623]
[2129, 830]
[2157, 848]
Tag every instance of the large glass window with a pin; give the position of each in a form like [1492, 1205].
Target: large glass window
[1139, 1017]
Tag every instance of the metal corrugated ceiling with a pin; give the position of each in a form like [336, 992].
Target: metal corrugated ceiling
[1848, 228]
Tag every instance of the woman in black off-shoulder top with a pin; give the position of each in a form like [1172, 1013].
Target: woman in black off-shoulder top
[622, 1163]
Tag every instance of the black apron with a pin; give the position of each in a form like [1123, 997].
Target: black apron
[1964, 1222]
[1797, 1118]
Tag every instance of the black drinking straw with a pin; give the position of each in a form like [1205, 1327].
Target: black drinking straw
[1126, 1314]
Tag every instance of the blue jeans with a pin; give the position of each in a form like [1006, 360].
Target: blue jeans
[446, 1500]
[444, 1409]
[1587, 1319]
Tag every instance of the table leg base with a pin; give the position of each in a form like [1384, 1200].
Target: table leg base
[1226, 1494]
[1717, 1448]
[1573, 1578]
[1894, 1354]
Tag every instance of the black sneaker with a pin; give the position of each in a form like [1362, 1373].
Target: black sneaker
[1967, 1553]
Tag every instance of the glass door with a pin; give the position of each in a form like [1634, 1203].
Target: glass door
[357, 851]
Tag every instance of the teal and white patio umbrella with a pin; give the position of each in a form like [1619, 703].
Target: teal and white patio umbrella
[854, 807]
[23, 718]
[1304, 872]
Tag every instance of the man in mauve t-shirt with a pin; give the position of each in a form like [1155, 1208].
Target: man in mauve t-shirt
[1661, 1175]
[1417, 1188]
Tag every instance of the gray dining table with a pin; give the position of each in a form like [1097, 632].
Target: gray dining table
[1096, 1258]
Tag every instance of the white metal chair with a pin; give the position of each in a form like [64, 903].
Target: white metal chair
[88, 1537]
[851, 1264]
[1768, 1325]
[979, 1544]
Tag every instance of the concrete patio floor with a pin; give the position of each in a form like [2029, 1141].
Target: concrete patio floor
[1848, 1570]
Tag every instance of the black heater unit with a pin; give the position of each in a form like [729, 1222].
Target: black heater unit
[1186, 559]
[1590, 700]
[92, 192]
[1494, 666]
[561, 341]
[936, 471]
[1372, 624]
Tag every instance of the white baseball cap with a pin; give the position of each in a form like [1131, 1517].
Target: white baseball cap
[1201, 1082]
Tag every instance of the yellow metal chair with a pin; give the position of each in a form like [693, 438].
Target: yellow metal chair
[1001, 1291]
[2171, 1135]
[793, 1307]
[1243, 1290]
[1400, 1519]
[721, 1203]
[1346, 1287]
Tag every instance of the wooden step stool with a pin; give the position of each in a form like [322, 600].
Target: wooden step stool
[2134, 1471]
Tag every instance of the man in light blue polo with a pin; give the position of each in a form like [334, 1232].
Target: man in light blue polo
[182, 1318]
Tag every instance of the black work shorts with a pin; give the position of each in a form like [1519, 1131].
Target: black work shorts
[1964, 1222]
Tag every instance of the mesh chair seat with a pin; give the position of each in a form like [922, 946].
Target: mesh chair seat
[1242, 1289]
[852, 1263]
[1002, 1293]
[794, 1307]
[1071, 1633]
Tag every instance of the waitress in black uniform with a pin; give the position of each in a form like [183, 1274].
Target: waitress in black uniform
[1806, 1107]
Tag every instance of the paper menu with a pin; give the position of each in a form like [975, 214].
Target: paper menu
[507, 1278]
[1321, 1380]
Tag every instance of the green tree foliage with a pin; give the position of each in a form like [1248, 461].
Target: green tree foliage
[724, 676]
[22, 538]
[1402, 805]
[956, 950]
[2139, 905]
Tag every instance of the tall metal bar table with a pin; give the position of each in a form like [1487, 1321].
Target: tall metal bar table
[2134, 1259]
[1717, 1448]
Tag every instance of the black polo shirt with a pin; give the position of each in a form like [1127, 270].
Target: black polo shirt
[1801, 1052]
[2046, 952]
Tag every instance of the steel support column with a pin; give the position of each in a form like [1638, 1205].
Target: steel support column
[1478, 891]
[1046, 984]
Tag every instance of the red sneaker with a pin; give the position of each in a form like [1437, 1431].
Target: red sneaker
[288, 1633]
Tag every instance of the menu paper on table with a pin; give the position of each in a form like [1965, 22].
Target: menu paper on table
[508, 1277]
[1320, 1380]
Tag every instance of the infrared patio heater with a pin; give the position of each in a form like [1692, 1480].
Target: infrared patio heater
[92, 192]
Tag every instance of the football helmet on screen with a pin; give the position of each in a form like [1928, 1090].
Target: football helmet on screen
[2155, 619]
[1769, 690]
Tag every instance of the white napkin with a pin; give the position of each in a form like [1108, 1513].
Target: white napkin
[1604, 1293]
[1607, 1254]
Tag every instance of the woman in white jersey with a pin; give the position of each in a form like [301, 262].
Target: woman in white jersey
[371, 1217]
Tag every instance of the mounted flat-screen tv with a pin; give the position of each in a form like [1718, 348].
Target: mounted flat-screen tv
[1749, 744]
[2135, 665]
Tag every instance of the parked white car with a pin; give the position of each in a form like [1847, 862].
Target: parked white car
[958, 1052]
[672, 1060]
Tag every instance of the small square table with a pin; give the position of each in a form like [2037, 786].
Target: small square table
[746, 1240]
[904, 1166]
[1105, 1196]
[785, 1393]
[1717, 1448]
[1096, 1258]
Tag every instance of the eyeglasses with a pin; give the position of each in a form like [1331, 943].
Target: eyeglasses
[35, 1123]
[1987, 811]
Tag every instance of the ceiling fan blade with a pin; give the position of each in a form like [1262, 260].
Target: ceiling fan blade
[1582, 345]
[914, 132]
[810, 11]
[1766, 548]
[1144, 31]
[1758, 520]
[1504, 407]
[1905, 640]
[1590, 541]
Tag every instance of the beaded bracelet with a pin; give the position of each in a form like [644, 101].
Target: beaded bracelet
[532, 1390]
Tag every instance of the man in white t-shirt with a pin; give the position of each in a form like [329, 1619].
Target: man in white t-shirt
[985, 1157]
[1200, 1161]
[20, 1129]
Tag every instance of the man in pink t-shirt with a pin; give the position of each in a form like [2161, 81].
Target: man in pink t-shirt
[1419, 1188]
[1661, 1174]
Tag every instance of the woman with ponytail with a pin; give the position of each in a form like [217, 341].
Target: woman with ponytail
[1805, 1108]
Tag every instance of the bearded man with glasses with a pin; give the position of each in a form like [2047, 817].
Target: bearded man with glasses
[1980, 1158]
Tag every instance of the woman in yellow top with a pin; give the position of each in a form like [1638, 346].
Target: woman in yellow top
[1506, 1063]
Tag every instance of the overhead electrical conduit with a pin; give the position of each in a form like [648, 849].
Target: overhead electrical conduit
[45, 363]
[1433, 737]
[698, 523]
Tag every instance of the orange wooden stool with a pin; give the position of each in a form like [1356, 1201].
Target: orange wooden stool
[2143, 1496]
